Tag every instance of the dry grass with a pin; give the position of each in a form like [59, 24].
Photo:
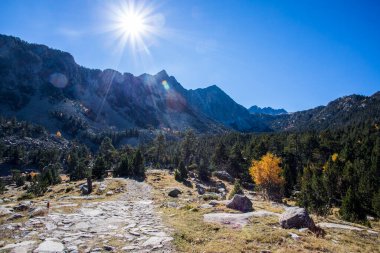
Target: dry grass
[192, 234]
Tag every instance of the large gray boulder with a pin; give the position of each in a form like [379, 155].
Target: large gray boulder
[296, 217]
[241, 203]
[223, 175]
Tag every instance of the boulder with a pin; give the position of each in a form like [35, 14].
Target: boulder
[201, 189]
[109, 193]
[241, 203]
[223, 175]
[84, 190]
[296, 217]
[174, 193]
[23, 206]
[39, 211]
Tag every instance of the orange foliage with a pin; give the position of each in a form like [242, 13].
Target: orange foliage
[334, 157]
[267, 171]
[58, 134]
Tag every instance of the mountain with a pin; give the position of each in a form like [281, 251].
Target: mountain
[266, 110]
[216, 104]
[47, 87]
[342, 112]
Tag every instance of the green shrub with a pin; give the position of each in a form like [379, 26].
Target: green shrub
[236, 190]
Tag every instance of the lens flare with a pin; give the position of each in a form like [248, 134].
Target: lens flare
[165, 84]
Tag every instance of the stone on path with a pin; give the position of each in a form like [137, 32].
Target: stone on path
[241, 203]
[28, 245]
[50, 246]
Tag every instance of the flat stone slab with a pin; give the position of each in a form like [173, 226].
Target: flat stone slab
[235, 220]
[50, 246]
[344, 227]
[24, 244]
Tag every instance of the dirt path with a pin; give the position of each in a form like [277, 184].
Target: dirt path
[127, 224]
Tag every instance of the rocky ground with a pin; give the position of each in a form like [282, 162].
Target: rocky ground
[163, 215]
[126, 222]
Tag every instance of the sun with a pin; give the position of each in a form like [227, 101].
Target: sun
[135, 24]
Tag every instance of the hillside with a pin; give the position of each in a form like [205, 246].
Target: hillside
[46, 86]
[342, 112]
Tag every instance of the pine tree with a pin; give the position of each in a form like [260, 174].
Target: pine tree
[220, 157]
[235, 162]
[351, 209]
[376, 203]
[99, 169]
[123, 170]
[138, 165]
[203, 171]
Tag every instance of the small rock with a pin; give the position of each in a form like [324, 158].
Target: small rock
[15, 216]
[39, 211]
[84, 189]
[174, 193]
[206, 206]
[241, 203]
[129, 248]
[294, 236]
[108, 248]
[109, 193]
[200, 189]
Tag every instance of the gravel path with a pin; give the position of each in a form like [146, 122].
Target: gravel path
[127, 224]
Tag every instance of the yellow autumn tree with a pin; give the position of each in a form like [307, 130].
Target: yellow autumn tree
[58, 134]
[266, 173]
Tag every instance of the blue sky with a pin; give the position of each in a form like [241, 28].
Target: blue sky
[290, 54]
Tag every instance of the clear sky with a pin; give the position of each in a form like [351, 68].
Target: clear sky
[285, 54]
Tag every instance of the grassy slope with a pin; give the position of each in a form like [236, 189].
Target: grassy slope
[193, 235]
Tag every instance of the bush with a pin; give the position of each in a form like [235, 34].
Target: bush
[236, 190]
[18, 178]
[38, 187]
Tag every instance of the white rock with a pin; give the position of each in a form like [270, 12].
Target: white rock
[50, 246]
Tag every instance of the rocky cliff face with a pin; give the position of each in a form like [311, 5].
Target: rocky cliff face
[46, 86]
[266, 110]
